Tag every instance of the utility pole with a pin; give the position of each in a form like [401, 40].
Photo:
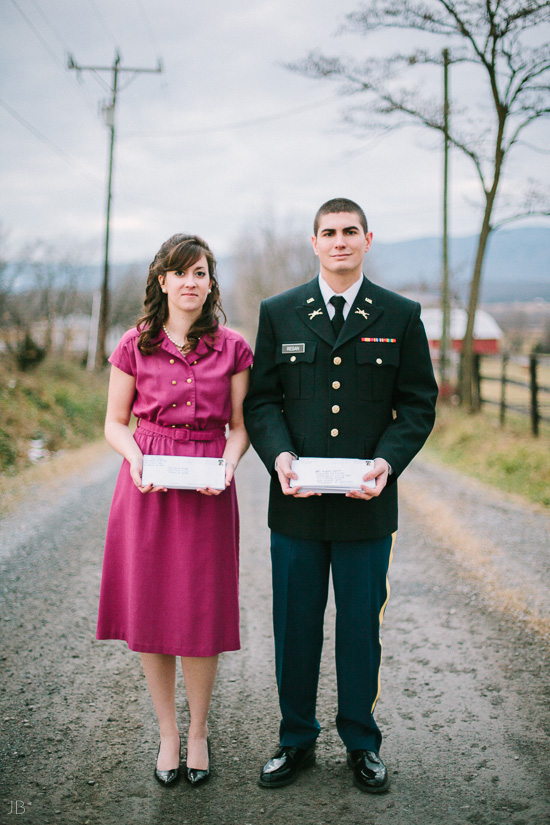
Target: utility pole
[445, 309]
[109, 113]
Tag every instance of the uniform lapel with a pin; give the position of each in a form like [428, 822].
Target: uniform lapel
[313, 312]
[363, 313]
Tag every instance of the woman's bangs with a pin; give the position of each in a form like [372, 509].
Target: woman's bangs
[183, 256]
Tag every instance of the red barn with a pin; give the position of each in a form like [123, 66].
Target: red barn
[487, 333]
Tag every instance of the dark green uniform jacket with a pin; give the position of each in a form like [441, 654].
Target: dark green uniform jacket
[369, 394]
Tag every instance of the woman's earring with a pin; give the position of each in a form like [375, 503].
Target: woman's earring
[209, 291]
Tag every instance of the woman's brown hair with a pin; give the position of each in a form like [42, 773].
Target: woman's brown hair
[177, 254]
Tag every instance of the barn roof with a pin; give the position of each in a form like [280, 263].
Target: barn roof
[485, 326]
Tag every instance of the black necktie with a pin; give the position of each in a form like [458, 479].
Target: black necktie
[338, 321]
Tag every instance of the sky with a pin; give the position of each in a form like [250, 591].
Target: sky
[225, 139]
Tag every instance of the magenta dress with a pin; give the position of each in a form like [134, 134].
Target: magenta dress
[171, 564]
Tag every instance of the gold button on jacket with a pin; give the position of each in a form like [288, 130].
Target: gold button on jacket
[291, 405]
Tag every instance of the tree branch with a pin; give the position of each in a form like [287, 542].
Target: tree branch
[520, 216]
[534, 116]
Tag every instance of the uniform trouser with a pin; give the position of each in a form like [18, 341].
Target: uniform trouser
[301, 571]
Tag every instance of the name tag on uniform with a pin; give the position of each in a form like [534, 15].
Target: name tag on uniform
[287, 349]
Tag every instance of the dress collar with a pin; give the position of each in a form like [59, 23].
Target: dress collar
[349, 295]
[205, 344]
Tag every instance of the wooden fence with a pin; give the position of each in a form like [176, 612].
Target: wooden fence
[527, 398]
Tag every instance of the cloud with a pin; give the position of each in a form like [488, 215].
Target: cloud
[223, 66]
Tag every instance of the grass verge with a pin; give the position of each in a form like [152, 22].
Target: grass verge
[508, 458]
[64, 405]
[58, 403]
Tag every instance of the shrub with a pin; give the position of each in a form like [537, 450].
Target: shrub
[29, 354]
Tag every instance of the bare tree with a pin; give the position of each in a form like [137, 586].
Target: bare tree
[43, 290]
[10, 314]
[275, 258]
[50, 279]
[503, 42]
[6, 281]
[127, 297]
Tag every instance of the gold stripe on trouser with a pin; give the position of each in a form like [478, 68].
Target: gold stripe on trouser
[381, 619]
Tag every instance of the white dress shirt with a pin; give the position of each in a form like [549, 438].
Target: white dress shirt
[349, 295]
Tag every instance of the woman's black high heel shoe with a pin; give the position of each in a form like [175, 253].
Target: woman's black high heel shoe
[195, 775]
[167, 778]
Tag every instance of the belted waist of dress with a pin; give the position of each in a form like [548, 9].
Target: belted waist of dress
[181, 433]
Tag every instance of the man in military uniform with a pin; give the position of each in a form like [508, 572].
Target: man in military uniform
[342, 369]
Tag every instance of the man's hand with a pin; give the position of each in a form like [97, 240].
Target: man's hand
[379, 472]
[284, 471]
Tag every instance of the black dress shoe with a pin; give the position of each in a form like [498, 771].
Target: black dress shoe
[167, 778]
[285, 765]
[369, 772]
[196, 775]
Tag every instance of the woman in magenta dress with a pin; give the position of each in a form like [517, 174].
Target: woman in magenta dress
[170, 571]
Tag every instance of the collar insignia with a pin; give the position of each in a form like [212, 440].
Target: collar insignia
[309, 300]
[362, 312]
[369, 300]
[314, 313]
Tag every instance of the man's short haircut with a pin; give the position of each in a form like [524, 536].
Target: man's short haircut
[339, 205]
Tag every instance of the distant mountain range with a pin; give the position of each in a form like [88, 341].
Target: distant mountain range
[517, 265]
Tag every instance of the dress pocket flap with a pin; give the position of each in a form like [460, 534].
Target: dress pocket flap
[379, 354]
[295, 353]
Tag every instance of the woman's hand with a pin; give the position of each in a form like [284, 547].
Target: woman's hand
[229, 473]
[136, 468]
[237, 440]
[122, 389]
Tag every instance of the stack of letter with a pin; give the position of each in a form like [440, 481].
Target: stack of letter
[331, 475]
[183, 472]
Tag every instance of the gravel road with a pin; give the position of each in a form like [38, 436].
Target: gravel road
[464, 709]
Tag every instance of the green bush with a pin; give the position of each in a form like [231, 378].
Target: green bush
[8, 453]
[29, 354]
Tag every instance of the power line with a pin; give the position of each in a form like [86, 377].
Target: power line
[151, 33]
[46, 141]
[102, 21]
[31, 25]
[50, 25]
[242, 123]
[58, 62]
